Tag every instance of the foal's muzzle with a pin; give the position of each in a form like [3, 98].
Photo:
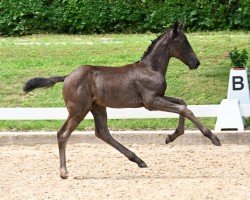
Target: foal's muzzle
[195, 64]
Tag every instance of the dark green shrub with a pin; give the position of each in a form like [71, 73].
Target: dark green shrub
[21, 17]
[74, 16]
[106, 16]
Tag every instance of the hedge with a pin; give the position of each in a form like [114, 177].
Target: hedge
[114, 16]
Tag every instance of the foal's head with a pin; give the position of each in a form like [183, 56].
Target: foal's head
[181, 49]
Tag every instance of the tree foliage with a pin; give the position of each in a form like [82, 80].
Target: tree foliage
[112, 16]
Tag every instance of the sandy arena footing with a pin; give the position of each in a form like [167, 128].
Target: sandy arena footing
[98, 171]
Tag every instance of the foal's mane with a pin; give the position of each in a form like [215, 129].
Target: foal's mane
[152, 45]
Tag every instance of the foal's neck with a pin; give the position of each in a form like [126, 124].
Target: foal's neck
[158, 54]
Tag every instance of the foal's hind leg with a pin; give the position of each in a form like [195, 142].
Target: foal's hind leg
[63, 135]
[181, 124]
[102, 132]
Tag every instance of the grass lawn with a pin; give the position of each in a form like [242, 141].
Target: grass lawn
[22, 58]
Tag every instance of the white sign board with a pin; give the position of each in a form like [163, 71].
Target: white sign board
[238, 87]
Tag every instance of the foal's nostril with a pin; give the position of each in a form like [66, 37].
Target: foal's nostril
[197, 63]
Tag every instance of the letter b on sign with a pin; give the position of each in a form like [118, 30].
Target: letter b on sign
[238, 83]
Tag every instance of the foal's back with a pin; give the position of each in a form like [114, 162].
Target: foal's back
[108, 86]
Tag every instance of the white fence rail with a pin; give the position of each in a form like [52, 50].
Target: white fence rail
[126, 113]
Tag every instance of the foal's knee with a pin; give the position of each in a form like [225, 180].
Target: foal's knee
[184, 111]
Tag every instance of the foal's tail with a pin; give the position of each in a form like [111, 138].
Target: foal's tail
[42, 83]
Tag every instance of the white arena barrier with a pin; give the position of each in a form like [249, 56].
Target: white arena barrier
[124, 113]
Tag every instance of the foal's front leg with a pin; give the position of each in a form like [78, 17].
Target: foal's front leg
[181, 124]
[163, 104]
[102, 132]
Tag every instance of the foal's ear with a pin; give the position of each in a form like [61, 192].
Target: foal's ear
[182, 26]
[175, 27]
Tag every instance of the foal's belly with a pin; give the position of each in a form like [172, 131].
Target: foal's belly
[117, 96]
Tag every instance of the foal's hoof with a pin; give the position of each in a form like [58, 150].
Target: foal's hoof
[168, 139]
[64, 175]
[142, 165]
[216, 141]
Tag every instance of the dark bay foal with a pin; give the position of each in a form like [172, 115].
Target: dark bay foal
[142, 84]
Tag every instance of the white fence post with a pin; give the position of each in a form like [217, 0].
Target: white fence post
[229, 116]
